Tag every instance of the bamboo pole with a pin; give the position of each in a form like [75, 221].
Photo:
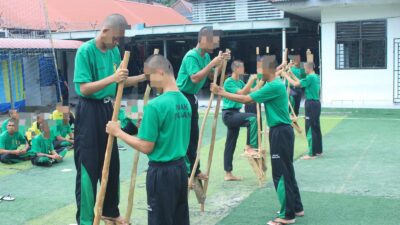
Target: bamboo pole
[136, 157]
[110, 142]
[214, 130]
[203, 123]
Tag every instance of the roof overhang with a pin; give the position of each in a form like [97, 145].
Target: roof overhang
[11, 43]
[185, 28]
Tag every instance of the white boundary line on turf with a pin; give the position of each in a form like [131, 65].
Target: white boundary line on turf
[360, 118]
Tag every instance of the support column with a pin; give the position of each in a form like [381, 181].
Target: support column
[283, 41]
[165, 48]
[10, 71]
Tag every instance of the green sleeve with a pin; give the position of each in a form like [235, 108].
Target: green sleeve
[149, 129]
[82, 72]
[265, 94]
[2, 142]
[231, 87]
[305, 82]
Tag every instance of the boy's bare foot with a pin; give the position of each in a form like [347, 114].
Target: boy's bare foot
[115, 221]
[202, 176]
[230, 177]
[307, 157]
[251, 152]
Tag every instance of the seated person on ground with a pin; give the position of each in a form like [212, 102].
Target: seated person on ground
[10, 141]
[43, 148]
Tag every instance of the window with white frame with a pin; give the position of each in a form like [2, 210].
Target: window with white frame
[361, 44]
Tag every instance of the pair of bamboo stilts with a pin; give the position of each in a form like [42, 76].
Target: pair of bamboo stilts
[200, 188]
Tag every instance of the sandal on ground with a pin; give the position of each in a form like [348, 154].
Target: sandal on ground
[297, 214]
[7, 198]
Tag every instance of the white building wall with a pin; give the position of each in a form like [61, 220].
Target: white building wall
[356, 87]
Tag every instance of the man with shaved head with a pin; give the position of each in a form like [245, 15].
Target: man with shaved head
[164, 137]
[97, 72]
[312, 85]
[281, 138]
[196, 67]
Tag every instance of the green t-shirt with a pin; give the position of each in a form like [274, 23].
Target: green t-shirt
[312, 85]
[232, 86]
[11, 142]
[275, 98]
[300, 73]
[63, 130]
[91, 65]
[42, 144]
[192, 63]
[166, 122]
[259, 78]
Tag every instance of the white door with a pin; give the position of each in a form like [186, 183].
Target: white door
[396, 70]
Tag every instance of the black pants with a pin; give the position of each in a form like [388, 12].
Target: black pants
[233, 119]
[281, 139]
[90, 145]
[194, 132]
[167, 193]
[296, 93]
[313, 127]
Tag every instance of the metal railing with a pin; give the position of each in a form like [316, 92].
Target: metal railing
[205, 11]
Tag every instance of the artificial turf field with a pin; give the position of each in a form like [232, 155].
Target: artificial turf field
[357, 180]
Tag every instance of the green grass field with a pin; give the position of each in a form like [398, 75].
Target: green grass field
[355, 182]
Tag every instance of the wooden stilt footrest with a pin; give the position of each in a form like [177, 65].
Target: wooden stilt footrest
[198, 190]
[258, 163]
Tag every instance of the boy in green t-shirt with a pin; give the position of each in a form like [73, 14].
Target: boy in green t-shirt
[164, 137]
[195, 68]
[63, 135]
[10, 141]
[312, 85]
[42, 147]
[234, 119]
[281, 137]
